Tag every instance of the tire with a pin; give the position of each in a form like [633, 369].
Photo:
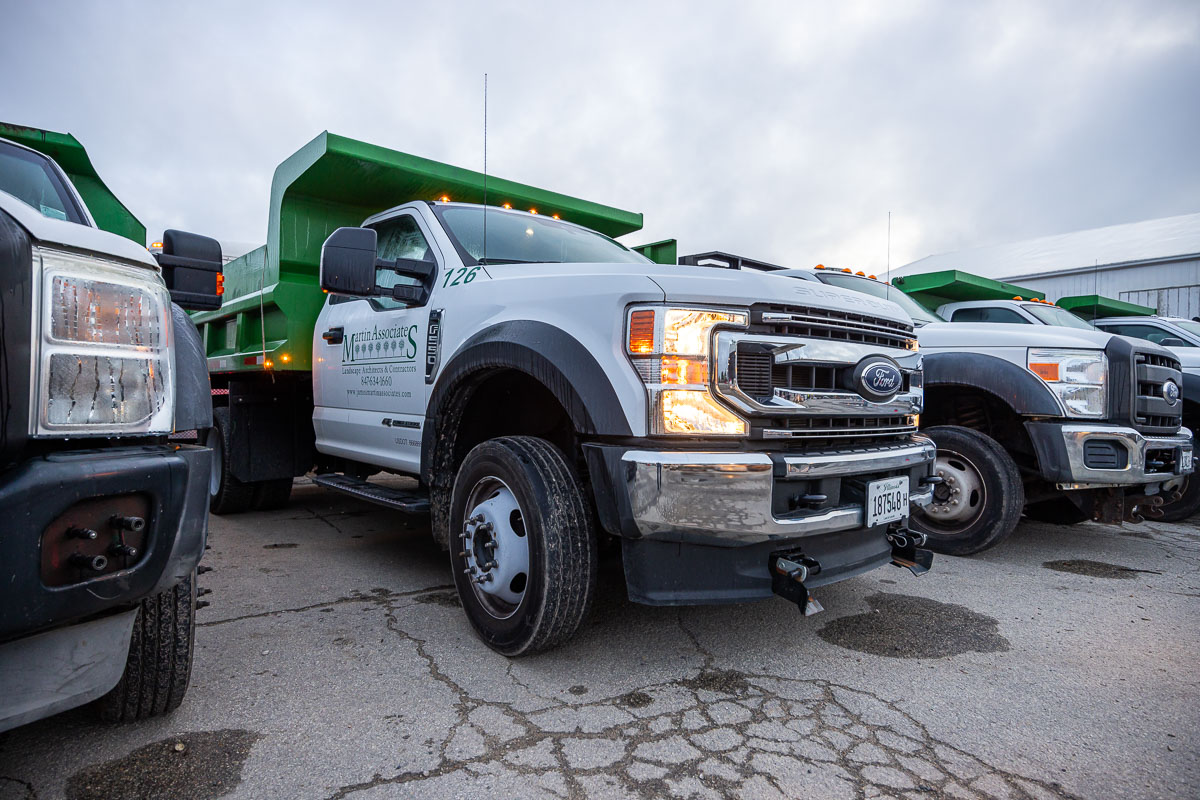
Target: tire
[990, 494]
[226, 494]
[1185, 506]
[272, 494]
[159, 665]
[514, 491]
[1059, 511]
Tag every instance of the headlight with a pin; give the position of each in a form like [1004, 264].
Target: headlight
[105, 363]
[671, 349]
[1078, 377]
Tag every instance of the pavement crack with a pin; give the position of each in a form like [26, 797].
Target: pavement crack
[377, 596]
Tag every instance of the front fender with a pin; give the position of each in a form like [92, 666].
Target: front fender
[193, 395]
[1020, 390]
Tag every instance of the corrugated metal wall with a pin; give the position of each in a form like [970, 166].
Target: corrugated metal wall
[1172, 288]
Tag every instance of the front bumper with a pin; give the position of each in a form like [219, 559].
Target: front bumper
[1080, 454]
[172, 479]
[700, 527]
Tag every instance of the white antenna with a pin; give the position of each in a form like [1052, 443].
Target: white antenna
[888, 274]
[485, 167]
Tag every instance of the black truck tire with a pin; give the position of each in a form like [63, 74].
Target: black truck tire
[514, 492]
[227, 494]
[1058, 511]
[1185, 506]
[987, 504]
[272, 494]
[159, 665]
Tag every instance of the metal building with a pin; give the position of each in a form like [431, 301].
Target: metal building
[1154, 263]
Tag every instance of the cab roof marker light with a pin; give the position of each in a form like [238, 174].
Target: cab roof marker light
[533, 211]
[506, 205]
[1016, 297]
[860, 272]
[819, 266]
[872, 277]
[444, 198]
[846, 269]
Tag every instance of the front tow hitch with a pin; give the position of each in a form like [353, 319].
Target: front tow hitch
[907, 550]
[789, 571]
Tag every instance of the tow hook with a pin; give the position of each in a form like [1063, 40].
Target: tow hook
[908, 550]
[789, 571]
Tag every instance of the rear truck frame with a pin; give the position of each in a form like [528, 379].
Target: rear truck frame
[106, 516]
[550, 389]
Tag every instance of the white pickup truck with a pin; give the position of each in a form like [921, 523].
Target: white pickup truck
[739, 434]
[1033, 407]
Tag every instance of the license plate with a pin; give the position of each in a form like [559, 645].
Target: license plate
[887, 500]
[1185, 460]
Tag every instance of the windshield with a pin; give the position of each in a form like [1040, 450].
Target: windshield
[1191, 327]
[1053, 315]
[920, 315]
[515, 237]
[31, 178]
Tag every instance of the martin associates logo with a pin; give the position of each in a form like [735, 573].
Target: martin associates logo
[395, 345]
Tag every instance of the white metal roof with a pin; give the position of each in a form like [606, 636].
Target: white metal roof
[1116, 244]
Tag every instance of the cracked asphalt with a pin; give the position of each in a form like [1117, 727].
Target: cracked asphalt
[334, 662]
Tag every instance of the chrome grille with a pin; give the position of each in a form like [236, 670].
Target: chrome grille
[820, 323]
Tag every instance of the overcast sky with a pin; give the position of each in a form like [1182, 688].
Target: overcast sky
[780, 131]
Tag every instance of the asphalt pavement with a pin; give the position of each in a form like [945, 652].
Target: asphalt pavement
[335, 662]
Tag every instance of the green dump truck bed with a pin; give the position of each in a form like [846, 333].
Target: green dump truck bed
[934, 289]
[1097, 306]
[110, 213]
[272, 294]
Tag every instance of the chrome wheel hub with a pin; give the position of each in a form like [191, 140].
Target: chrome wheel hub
[959, 499]
[495, 547]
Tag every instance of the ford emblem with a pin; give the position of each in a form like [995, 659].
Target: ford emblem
[1171, 392]
[878, 380]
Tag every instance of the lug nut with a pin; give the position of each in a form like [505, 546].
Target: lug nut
[81, 533]
[93, 563]
[134, 524]
[123, 550]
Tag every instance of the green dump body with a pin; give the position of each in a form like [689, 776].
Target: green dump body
[934, 289]
[1097, 306]
[273, 294]
[110, 213]
[664, 252]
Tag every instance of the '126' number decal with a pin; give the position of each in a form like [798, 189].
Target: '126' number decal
[461, 275]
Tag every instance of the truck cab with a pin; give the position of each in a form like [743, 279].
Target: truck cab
[106, 517]
[1034, 411]
[552, 389]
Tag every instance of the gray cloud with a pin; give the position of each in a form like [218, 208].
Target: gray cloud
[784, 131]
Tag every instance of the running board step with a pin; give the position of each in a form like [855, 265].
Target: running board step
[409, 502]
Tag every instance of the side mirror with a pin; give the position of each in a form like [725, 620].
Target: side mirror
[348, 262]
[191, 268]
[1173, 341]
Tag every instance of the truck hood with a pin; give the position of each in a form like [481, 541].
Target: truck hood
[59, 232]
[742, 288]
[985, 335]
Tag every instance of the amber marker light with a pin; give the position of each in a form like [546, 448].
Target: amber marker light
[533, 211]
[444, 198]
[1045, 371]
[683, 371]
[641, 332]
[1016, 298]
[506, 205]
[556, 216]
[285, 358]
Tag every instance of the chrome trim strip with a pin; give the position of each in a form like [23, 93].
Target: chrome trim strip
[824, 465]
[776, 317]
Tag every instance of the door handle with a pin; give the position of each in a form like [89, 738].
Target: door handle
[334, 335]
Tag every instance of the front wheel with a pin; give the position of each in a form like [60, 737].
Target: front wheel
[1188, 503]
[226, 494]
[159, 665]
[522, 545]
[978, 503]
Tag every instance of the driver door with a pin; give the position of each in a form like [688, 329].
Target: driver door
[370, 356]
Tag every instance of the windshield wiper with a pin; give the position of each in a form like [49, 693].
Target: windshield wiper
[486, 261]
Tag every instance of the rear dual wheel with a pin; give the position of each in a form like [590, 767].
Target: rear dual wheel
[522, 545]
[227, 494]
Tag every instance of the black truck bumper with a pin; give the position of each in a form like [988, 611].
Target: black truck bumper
[82, 615]
[705, 527]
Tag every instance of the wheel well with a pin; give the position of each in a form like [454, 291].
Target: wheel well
[484, 405]
[982, 411]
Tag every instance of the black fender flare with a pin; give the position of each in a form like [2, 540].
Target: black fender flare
[549, 355]
[193, 393]
[1020, 390]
